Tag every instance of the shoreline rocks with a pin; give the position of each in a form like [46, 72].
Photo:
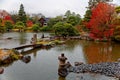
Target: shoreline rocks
[111, 69]
[1, 70]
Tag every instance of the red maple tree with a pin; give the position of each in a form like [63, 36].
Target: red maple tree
[8, 18]
[100, 24]
[29, 23]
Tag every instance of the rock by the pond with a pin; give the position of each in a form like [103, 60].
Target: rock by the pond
[62, 72]
[26, 59]
[1, 70]
[9, 38]
[118, 60]
[78, 63]
[107, 68]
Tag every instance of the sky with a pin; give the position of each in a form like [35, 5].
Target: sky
[49, 8]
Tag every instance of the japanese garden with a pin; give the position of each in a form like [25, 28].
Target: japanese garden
[64, 47]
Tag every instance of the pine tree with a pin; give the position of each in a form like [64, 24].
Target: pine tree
[88, 15]
[22, 15]
[93, 3]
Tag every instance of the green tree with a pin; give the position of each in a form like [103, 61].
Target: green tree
[117, 33]
[117, 22]
[73, 20]
[64, 29]
[68, 13]
[70, 30]
[87, 15]
[21, 14]
[45, 28]
[20, 25]
[53, 21]
[14, 17]
[58, 28]
[8, 25]
[2, 29]
[117, 9]
[35, 27]
[79, 19]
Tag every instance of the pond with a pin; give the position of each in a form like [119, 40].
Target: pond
[44, 62]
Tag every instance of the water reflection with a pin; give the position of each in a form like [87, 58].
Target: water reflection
[69, 45]
[101, 52]
[31, 51]
[22, 38]
[43, 64]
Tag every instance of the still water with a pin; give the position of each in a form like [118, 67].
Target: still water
[44, 63]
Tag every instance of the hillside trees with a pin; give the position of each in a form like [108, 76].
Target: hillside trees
[53, 21]
[65, 25]
[72, 18]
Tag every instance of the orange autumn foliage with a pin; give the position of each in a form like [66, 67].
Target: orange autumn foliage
[29, 23]
[101, 24]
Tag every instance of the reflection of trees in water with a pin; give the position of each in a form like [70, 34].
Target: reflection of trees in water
[1, 35]
[100, 52]
[35, 53]
[31, 51]
[116, 51]
[69, 45]
[22, 38]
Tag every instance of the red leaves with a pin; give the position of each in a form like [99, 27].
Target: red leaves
[100, 23]
[8, 18]
[29, 23]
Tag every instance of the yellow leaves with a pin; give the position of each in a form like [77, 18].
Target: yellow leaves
[4, 53]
